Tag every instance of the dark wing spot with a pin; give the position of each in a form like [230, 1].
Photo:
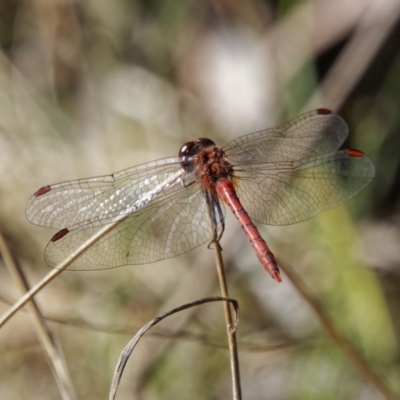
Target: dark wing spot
[42, 191]
[59, 235]
[324, 111]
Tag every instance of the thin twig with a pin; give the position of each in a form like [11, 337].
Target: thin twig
[83, 247]
[58, 269]
[48, 340]
[230, 327]
[341, 342]
[170, 334]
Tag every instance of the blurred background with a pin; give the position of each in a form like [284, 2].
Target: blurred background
[92, 87]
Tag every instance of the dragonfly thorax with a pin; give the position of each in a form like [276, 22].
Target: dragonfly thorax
[212, 165]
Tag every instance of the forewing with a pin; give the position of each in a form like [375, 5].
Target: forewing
[165, 228]
[310, 134]
[292, 191]
[101, 200]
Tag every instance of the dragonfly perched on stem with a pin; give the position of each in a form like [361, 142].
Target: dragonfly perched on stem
[164, 208]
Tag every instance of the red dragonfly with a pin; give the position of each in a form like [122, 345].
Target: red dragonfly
[164, 208]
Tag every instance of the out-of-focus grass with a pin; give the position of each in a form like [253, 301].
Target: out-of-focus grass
[90, 88]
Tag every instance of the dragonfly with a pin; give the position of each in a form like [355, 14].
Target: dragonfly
[161, 209]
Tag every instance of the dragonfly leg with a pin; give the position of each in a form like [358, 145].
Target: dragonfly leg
[214, 209]
[221, 219]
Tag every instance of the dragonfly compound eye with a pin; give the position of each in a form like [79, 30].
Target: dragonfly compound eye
[190, 149]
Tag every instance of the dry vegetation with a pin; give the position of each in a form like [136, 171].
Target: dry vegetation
[91, 87]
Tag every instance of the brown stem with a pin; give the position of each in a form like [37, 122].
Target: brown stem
[230, 328]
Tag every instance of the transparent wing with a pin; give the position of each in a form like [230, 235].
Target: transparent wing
[160, 207]
[100, 200]
[291, 173]
[282, 175]
[310, 134]
[165, 228]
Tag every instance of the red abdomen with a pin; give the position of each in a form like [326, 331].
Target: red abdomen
[226, 192]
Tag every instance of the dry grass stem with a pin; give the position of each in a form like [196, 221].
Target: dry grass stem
[49, 341]
[230, 325]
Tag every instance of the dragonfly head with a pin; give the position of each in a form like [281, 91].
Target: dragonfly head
[190, 149]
